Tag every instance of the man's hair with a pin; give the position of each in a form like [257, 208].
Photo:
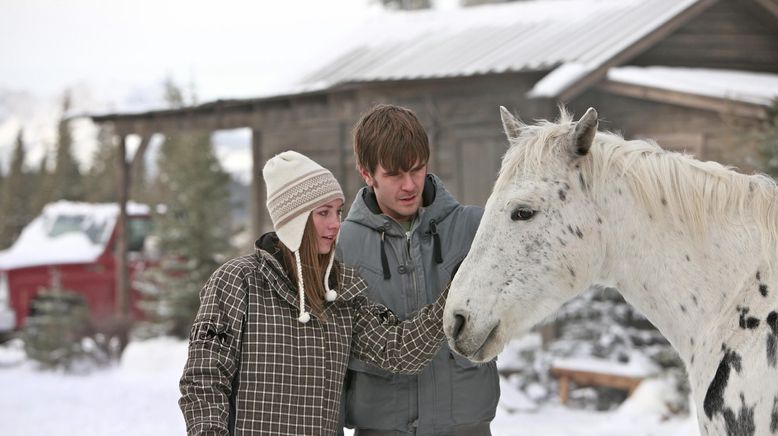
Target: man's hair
[391, 136]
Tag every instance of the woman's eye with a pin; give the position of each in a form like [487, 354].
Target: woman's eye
[522, 214]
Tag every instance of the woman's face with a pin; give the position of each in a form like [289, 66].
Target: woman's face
[326, 221]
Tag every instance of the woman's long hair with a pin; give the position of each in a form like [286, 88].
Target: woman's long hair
[314, 267]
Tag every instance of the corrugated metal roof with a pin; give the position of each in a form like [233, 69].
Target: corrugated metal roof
[536, 35]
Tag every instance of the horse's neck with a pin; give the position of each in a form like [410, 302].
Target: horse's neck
[685, 287]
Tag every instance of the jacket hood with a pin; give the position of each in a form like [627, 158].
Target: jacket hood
[437, 203]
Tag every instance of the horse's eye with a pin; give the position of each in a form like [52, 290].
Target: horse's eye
[522, 214]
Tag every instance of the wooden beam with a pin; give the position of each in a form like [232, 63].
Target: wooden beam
[634, 50]
[723, 106]
[122, 277]
[257, 184]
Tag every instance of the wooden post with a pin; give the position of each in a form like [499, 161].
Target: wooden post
[564, 389]
[257, 184]
[120, 251]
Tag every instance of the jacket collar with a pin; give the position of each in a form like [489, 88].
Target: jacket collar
[266, 249]
[437, 203]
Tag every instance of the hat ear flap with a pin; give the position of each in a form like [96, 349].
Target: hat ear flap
[291, 232]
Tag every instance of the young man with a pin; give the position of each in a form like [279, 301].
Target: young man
[407, 235]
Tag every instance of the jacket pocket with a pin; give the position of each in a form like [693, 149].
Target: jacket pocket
[475, 390]
[366, 368]
[375, 398]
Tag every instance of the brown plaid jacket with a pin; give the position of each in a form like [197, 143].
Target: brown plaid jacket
[253, 369]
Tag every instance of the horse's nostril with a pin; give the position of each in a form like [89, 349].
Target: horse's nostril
[459, 323]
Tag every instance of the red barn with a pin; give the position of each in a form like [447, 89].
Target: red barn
[72, 243]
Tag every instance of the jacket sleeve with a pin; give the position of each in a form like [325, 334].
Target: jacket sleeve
[398, 346]
[214, 346]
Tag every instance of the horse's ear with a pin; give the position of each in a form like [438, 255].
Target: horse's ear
[510, 124]
[584, 133]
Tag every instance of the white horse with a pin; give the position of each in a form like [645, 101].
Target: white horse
[693, 245]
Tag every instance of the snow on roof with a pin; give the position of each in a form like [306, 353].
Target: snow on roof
[66, 233]
[743, 86]
[511, 37]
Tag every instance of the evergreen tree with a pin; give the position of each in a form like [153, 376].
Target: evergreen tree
[768, 142]
[101, 177]
[67, 181]
[41, 185]
[406, 5]
[16, 201]
[193, 230]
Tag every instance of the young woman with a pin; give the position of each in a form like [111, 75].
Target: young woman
[270, 343]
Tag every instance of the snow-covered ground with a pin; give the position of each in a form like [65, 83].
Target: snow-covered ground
[138, 397]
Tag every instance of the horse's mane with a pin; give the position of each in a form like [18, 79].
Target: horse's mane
[695, 193]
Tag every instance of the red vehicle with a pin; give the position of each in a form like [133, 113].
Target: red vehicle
[72, 244]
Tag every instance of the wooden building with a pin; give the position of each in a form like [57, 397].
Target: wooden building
[693, 74]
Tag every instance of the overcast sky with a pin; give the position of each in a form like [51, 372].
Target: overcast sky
[227, 48]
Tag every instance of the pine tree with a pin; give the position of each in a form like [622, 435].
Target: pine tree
[101, 177]
[406, 5]
[16, 201]
[193, 231]
[41, 185]
[67, 180]
[768, 142]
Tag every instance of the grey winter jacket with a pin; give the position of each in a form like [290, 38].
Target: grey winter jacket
[405, 272]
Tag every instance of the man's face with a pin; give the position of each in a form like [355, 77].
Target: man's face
[398, 192]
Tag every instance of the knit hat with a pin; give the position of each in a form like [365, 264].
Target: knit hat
[296, 185]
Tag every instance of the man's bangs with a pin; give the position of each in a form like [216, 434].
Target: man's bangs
[402, 159]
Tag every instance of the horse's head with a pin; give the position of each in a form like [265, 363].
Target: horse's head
[539, 243]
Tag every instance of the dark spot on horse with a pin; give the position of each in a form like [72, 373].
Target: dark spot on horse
[747, 322]
[774, 416]
[758, 276]
[544, 179]
[743, 423]
[664, 201]
[572, 271]
[694, 299]
[570, 229]
[688, 259]
[714, 397]
[578, 233]
[619, 191]
[561, 241]
[599, 220]
[772, 338]
[751, 186]
[763, 289]
[772, 321]
[692, 359]
[581, 181]
[650, 217]
[691, 341]
[683, 308]
[467, 303]
[562, 195]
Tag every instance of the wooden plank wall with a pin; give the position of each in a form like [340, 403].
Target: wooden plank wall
[707, 135]
[461, 117]
[731, 34]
